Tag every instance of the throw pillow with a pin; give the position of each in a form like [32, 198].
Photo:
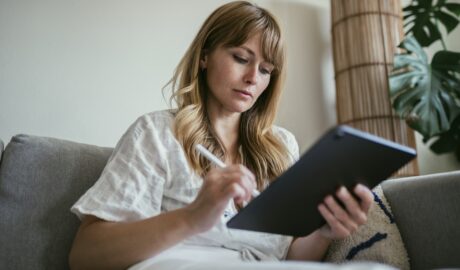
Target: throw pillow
[378, 240]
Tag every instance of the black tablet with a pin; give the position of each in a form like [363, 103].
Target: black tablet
[343, 156]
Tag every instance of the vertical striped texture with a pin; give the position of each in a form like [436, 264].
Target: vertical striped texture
[365, 37]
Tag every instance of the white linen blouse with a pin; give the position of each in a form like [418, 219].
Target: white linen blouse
[148, 174]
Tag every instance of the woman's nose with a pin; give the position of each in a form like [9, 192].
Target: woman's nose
[250, 77]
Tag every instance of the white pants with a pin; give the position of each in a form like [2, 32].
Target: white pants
[213, 258]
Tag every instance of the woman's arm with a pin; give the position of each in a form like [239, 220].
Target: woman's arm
[100, 244]
[116, 245]
[341, 221]
[308, 248]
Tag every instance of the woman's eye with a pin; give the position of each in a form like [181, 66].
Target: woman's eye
[240, 59]
[265, 71]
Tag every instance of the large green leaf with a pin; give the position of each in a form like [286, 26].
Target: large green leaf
[421, 17]
[448, 64]
[449, 141]
[424, 95]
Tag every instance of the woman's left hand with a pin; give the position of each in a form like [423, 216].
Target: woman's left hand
[344, 220]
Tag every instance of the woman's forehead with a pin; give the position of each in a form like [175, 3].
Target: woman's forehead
[256, 46]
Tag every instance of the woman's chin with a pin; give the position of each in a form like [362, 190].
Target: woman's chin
[240, 109]
[240, 106]
[235, 107]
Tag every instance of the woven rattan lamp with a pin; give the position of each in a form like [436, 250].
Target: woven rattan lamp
[365, 37]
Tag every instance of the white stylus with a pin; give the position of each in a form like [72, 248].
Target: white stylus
[200, 148]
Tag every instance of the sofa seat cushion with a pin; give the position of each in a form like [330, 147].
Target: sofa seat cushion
[40, 178]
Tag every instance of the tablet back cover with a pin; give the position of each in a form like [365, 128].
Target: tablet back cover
[343, 156]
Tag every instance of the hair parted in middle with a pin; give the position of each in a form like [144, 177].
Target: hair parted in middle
[231, 25]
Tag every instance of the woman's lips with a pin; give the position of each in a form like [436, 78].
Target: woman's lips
[244, 93]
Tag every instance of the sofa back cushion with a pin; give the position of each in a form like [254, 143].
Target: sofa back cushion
[1, 150]
[426, 210]
[40, 179]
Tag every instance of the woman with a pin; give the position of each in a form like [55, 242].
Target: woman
[158, 198]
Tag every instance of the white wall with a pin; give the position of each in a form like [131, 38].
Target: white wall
[308, 104]
[85, 70]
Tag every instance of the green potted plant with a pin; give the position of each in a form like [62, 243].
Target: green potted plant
[427, 94]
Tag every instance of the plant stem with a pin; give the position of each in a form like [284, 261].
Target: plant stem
[442, 39]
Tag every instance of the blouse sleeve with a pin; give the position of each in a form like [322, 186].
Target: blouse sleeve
[289, 141]
[131, 185]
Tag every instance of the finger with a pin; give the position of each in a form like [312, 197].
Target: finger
[365, 195]
[248, 173]
[215, 174]
[234, 191]
[244, 170]
[352, 206]
[249, 187]
[243, 180]
[340, 213]
[336, 226]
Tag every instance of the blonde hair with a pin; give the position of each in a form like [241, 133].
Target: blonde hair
[231, 25]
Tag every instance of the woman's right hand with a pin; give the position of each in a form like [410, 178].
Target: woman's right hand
[219, 187]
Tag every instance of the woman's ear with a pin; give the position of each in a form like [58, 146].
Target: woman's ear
[204, 60]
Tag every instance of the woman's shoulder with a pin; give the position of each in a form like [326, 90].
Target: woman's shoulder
[155, 120]
[157, 117]
[283, 134]
[288, 139]
[151, 123]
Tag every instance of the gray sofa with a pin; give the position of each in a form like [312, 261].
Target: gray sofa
[40, 178]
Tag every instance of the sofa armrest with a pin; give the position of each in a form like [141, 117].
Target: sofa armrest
[427, 212]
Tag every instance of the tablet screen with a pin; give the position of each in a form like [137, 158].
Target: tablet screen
[343, 156]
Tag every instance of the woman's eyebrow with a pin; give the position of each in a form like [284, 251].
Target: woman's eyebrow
[251, 52]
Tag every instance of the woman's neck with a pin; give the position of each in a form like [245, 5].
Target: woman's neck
[226, 126]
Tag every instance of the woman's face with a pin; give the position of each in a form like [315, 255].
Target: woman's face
[236, 76]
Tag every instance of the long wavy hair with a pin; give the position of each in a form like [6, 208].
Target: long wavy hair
[261, 151]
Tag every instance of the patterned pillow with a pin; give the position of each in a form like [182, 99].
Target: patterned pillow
[378, 240]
